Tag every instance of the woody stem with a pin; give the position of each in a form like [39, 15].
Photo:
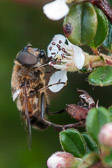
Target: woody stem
[94, 61]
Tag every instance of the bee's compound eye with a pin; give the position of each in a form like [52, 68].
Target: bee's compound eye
[26, 58]
[42, 54]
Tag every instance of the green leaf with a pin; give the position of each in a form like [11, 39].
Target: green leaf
[91, 144]
[101, 76]
[88, 160]
[80, 25]
[110, 109]
[73, 142]
[108, 159]
[108, 41]
[102, 29]
[96, 118]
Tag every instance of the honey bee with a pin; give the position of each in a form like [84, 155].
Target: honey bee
[27, 78]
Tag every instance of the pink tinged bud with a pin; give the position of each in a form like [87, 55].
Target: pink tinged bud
[61, 160]
[105, 135]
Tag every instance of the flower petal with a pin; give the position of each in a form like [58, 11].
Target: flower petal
[79, 57]
[56, 10]
[59, 76]
[59, 37]
[52, 48]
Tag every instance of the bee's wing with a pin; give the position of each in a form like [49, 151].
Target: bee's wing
[27, 121]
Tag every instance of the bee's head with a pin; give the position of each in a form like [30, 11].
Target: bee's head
[29, 56]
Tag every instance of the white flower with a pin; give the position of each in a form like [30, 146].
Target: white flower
[66, 57]
[62, 160]
[56, 10]
[105, 135]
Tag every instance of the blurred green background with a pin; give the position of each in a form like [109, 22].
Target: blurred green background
[22, 21]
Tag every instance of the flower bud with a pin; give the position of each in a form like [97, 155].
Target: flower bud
[62, 160]
[105, 135]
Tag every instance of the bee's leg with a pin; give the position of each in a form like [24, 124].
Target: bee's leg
[53, 113]
[46, 87]
[57, 112]
[43, 111]
[50, 71]
[66, 126]
[57, 126]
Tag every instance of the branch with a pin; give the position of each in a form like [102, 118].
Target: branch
[94, 61]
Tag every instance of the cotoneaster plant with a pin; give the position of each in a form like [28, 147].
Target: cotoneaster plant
[85, 22]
